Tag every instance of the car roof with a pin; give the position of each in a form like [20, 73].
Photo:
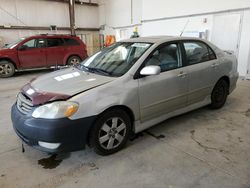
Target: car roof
[159, 39]
[53, 36]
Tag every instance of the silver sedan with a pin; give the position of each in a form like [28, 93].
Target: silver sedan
[122, 90]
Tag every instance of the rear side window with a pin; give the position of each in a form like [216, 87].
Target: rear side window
[40, 43]
[198, 52]
[71, 42]
[54, 42]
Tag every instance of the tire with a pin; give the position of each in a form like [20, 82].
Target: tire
[110, 132]
[219, 94]
[73, 61]
[7, 69]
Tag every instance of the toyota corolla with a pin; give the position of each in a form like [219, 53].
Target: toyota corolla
[122, 90]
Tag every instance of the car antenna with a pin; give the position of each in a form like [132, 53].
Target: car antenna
[185, 26]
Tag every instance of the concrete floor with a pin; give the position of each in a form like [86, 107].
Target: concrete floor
[203, 148]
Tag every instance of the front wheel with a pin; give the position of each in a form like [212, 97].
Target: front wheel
[74, 61]
[7, 69]
[219, 94]
[111, 132]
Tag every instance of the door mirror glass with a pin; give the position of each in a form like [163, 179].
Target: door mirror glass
[150, 70]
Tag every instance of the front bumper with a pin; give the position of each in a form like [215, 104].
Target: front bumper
[71, 134]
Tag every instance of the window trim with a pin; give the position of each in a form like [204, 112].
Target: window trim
[197, 41]
[137, 74]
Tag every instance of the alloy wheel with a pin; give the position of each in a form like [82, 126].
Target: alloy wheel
[74, 61]
[5, 69]
[112, 133]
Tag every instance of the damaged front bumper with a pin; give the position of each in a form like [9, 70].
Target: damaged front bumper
[51, 136]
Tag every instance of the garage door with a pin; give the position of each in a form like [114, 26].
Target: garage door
[226, 32]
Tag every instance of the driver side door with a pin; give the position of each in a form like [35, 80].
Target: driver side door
[32, 53]
[166, 92]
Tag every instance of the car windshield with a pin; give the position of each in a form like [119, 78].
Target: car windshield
[115, 60]
[13, 44]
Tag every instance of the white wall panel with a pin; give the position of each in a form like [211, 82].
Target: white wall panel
[137, 11]
[119, 13]
[174, 27]
[244, 48]
[87, 16]
[34, 13]
[46, 13]
[168, 8]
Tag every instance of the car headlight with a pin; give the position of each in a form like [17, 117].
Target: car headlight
[56, 110]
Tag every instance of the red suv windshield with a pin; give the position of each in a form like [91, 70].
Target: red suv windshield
[13, 44]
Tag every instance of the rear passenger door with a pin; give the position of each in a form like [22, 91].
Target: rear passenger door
[56, 51]
[166, 92]
[203, 70]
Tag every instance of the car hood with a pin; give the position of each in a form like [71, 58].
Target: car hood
[62, 84]
[4, 51]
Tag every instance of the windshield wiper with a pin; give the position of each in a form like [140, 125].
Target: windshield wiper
[82, 67]
[101, 71]
[95, 70]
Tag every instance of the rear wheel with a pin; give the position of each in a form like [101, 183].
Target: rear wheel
[74, 61]
[7, 69]
[111, 132]
[219, 94]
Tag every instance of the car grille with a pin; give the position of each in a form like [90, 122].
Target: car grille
[24, 104]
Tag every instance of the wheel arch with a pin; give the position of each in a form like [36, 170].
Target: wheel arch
[124, 108]
[226, 78]
[10, 60]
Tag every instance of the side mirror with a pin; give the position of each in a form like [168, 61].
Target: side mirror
[150, 70]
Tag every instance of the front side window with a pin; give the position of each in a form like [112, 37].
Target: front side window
[197, 52]
[30, 44]
[34, 43]
[115, 60]
[167, 57]
[54, 42]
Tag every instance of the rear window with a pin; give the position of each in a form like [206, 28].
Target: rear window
[54, 42]
[71, 42]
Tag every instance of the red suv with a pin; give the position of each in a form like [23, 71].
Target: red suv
[41, 51]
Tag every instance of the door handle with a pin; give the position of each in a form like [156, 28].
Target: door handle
[182, 74]
[214, 65]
